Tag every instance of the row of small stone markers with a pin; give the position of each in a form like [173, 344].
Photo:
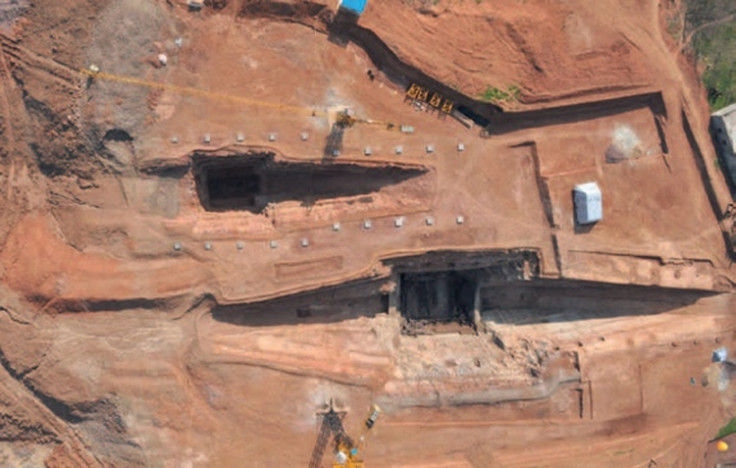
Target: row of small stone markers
[336, 227]
[304, 136]
[239, 137]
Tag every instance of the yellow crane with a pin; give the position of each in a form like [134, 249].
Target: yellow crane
[346, 119]
[348, 452]
[342, 119]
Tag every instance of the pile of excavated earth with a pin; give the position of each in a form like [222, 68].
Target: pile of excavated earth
[218, 219]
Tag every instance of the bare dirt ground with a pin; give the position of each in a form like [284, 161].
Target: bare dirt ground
[188, 273]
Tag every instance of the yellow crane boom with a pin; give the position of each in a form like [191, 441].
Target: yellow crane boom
[348, 452]
[191, 91]
[342, 118]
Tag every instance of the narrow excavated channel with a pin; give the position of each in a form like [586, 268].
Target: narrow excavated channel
[252, 182]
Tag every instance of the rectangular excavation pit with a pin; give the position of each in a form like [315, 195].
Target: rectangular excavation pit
[451, 292]
[438, 298]
[439, 291]
[254, 181]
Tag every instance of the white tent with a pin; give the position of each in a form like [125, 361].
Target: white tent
[723, 130]
[588, 203]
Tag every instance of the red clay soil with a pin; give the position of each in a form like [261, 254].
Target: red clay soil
[140, 326]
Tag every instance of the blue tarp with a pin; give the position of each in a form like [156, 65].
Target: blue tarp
[355, 6]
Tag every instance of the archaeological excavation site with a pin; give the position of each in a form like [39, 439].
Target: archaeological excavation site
[350, 233]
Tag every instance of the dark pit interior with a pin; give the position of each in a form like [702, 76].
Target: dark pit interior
[347, 301]
[440, 292]
[252, 182]
[554, 301]
[437, 297]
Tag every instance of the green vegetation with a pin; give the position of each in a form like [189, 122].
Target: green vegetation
[712, 24]
[618, 453]
[716, 49]
[702, 12]
[675, 25]
[728, 429]
[496, 95]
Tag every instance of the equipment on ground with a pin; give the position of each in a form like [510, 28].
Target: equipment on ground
[347, 451]
[421, 95]
[347, 119]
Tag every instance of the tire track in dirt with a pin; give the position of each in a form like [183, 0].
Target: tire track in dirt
[6, 82]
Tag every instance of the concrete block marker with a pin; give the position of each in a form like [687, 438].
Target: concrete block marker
[175, 139]
[239, 245]
[429, 221]
[304, 136]
[399, 150]
[305, 242]
[460, 147]
[399, 222]
[273, 244]
[206, 139]
[336, 227]
[177, 247]
[367, 151]
[271, 137]
[430, 148]
[720, 355]
[207, 246]
[459, 219]
[240, 137]
[367, 224]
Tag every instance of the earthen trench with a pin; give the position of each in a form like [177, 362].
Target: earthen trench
[253, 182]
